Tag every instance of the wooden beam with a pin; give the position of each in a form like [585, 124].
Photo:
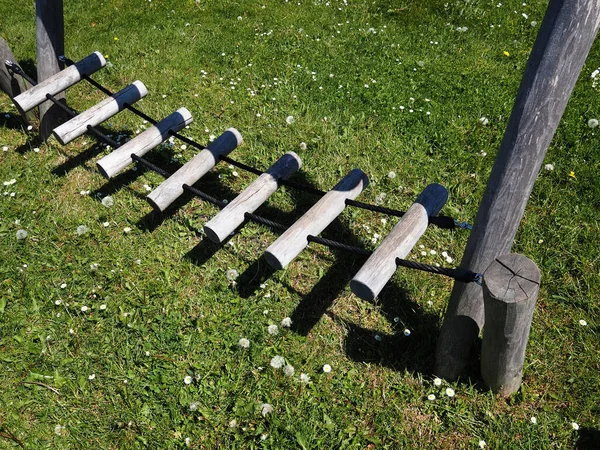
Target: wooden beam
[232, 216]
[281, 252]
[100, 112]
[11, 85]
[50, 42]
[381, 265]
[36, 95]
[510, 288]
[170, 189]
[120, 158]
[564, 40]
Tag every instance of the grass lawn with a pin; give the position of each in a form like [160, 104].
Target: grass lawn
[120, 328]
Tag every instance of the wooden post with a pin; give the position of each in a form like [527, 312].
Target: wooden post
[58, 82]
[9, 84]
[281, 252]
[100, 112]
[170, 189]
[50, 40]
[510, 288]
[232, 216]
[120, 158]
[381, 265]
[566, 35]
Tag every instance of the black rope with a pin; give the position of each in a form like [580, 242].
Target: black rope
[149, 165]
[338, 245]
[464, 275]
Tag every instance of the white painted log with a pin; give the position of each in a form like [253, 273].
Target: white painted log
[232, 216]
[100, 112]
[170, 189]
[120, 158]
[59, 82]
[281, 252]
[381, 265]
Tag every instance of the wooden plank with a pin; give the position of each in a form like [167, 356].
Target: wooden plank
[232, 216]
[50, 44]
[120, 158]
[510, 289]
[59, 82]
[100, 112]
[381, 265]
[10, 84]
[564, 40]
[281, 252]
[170, 189]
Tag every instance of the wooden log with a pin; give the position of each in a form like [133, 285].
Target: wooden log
[564, 40]
[100, 112]
[120, 158]
[381, 265]
[281, 252]
[510, 288]
[232, 216]
[50, 43]
[170, 189]
[59, 82]
[10, 84]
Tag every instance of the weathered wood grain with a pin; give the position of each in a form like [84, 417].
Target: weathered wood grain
[281, 252]
[120, 158]
[510, 288]
[100, 112]
[248, 201]
[170, 189]
[381, 265]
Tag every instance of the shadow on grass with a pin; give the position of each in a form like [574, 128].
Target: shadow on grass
[589, 439]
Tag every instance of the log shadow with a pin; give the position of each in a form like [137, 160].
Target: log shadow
[589, 439]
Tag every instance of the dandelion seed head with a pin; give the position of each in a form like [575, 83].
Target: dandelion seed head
[21, 234]
[288, 370]
[277, 362]
[304, 378]
[265, 409]
[273, 330]
[108, 201]
[286, 323]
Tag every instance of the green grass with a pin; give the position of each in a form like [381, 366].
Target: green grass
[171, 311]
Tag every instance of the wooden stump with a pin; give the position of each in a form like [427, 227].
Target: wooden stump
[510, 288]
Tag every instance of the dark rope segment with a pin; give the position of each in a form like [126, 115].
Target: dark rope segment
[204, 196]
[338, 245]
[149, 165]
[464, 275]
[258, 219]
[240, 165]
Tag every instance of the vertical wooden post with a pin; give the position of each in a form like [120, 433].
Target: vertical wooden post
[9, 84]
[510, 288]
[566, 35]
[50, 40]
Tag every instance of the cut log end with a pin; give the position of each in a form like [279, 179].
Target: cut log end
[273, 261]
[361, 290]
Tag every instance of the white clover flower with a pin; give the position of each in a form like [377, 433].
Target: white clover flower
[265, 409]
[126, 230]
[64, 285]
[244, 343]
[57, 302]
[106, 224]
[288, 370]
[450, 392]
[391, 175]
[21, 234]
[277, 362]
[103, 307]
[286, 323]
[231, 275]
[92, 376]
[290, 120]
[84, 308]
[304, 378]
[406, 332]
[575, 426]
[593, 123]
[533, 420]
[187, 379]
[549, 167]
[326, 368]
[108, 201]
[482, 443]
[233, 423]
[431, 397]
[302, 145]
[273, 330]
[437, 381]
[194, 406]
